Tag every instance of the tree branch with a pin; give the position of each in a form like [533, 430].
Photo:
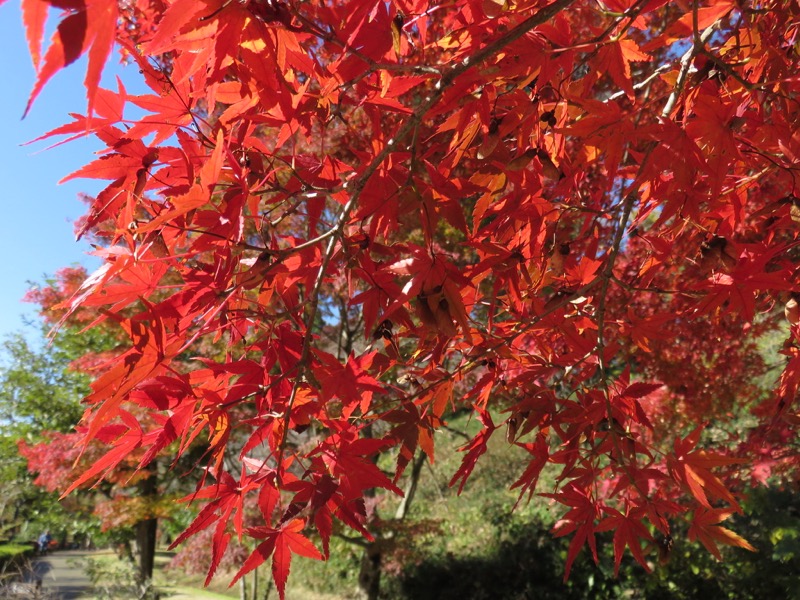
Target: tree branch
[686, 64]
[356, 188]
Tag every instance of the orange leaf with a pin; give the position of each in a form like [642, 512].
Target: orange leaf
[705, 528]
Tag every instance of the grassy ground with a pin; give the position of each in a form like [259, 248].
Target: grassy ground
[173, 584]
[10, 550]
[176, 585]
[181, 586]
[13, 554]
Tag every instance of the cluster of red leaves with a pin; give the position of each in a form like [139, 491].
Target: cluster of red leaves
[57, 467]
[65, 458]
[517, 199]
[127, 510]
[64, 285]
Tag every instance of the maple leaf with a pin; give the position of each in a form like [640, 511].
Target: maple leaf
[684, 26]
[579, 519]
[86, 28]
[281, 544]
[474, 449]
[527, 481]
[226, 500]
[350, 382]
[705, 527]
[628, 531]
[615, 59]
[125, 441]
[354, 215]
[413, 429]
[691, 468]
[219, 543]
[34, 16]
[348, 459]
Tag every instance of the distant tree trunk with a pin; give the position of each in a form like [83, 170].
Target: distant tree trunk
[411, 487]
[146, 532]
[369, 575]
[243, 588]
[146, 541]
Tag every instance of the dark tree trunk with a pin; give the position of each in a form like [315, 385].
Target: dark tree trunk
[146, 533]
[369, 576]
[146, 541]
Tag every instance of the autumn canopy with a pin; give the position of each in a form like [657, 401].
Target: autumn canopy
[332, 224]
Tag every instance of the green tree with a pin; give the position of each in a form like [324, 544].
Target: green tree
[39, 393]
[38, 389]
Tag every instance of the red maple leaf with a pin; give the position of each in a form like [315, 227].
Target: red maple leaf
[579, 519]
[692, 468]
[281, 544]
[365, 215]
[628, 531]
[88, 27]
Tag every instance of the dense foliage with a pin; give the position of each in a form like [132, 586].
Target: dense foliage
[125, 504]
[575, 220]
[39, 397]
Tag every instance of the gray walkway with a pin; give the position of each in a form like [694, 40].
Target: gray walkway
[62, 576]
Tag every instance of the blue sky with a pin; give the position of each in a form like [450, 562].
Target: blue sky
[36, 231]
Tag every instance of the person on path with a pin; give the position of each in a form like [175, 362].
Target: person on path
[44, 542]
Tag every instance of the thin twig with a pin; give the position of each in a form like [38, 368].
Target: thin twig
[686, 64]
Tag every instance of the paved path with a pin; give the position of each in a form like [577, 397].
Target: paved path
[62, 575]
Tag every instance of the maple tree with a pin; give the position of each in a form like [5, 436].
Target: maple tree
[574, 219]
[127, 500]
[37, 394]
